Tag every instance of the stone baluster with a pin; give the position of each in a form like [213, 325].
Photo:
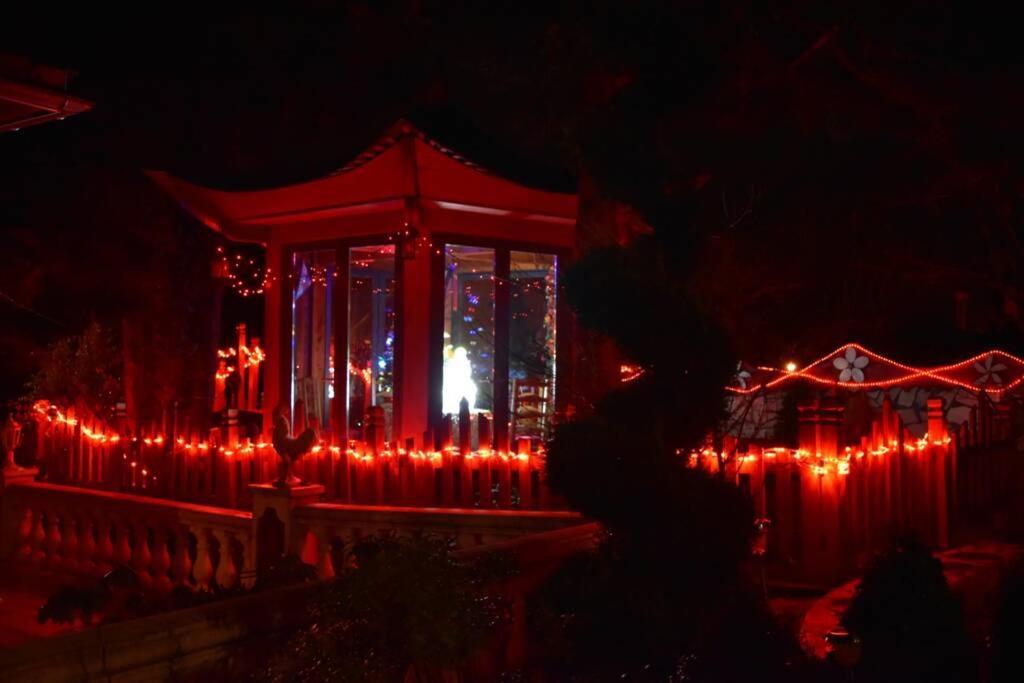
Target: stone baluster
[247, 576]
[87, 547]
[122, 547]
[53, 540]
[324, 564]
[142, 558]
[181, 565]
[307, 546]
[104, 544]
[69, 549]
[23, 542]
[161, 561]
[227, 572]
[39, 538]
[202, 571]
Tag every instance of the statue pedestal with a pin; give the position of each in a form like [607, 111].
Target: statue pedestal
[273, 529]
[11, 475]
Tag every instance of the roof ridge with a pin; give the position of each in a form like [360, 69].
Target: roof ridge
[397, 132]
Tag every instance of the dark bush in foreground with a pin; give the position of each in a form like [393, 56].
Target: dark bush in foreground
[407, 605]
[909, 622]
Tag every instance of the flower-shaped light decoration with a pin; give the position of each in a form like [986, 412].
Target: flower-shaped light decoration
[850, 365]
[988, 372]
[742, 376]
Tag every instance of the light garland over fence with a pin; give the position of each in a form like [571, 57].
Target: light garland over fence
[852, 366]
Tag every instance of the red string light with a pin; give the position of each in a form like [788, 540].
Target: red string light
[244, 275]
[355, 450]
[941, 374]
[628, 372]
[818, 463]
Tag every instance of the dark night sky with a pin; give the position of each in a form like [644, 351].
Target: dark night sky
[859, 137]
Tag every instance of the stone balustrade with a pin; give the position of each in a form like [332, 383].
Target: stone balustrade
[79, 531]
[216, 641]
[83, 531]
[325, 531]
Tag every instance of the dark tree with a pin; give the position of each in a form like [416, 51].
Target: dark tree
[668, 586]
[1008, 631]
[82, 369]
[910, 624]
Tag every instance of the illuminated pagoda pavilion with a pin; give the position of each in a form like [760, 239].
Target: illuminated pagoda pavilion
[401, 284]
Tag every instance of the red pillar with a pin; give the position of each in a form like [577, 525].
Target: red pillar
[278, 360]
[413, 343]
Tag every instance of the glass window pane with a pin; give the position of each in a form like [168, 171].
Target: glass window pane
[312, 280]
[532, 343]
[468, 329]
[371, 336]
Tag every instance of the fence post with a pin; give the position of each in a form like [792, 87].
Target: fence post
[445, 436]
[465, 428]
[936, 420]
[375, 429]
[1001, 422]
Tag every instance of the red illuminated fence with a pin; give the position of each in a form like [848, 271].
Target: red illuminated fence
[218, 467]
[832, 502]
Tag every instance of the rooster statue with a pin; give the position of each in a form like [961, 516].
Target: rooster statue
[289, 449]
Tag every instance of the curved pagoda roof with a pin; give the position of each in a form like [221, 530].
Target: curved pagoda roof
[404, 168]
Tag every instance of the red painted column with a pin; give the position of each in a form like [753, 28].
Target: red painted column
[278, 360]
[253, 390]
[242, 359]
[413, 339]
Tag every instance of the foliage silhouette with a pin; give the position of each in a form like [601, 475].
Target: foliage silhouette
[1008, 630]
[668, 586]
[84, 367]
[406, 604]
[909, 622]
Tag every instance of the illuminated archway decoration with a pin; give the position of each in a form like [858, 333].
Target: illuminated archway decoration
[852, 366]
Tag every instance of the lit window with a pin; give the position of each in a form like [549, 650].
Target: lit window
[371, 335]
[468, 329]
[500, 340]
[532, 343]
[312, 284]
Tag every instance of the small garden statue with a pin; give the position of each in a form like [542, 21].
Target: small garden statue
[10, 438]
[289, 449]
